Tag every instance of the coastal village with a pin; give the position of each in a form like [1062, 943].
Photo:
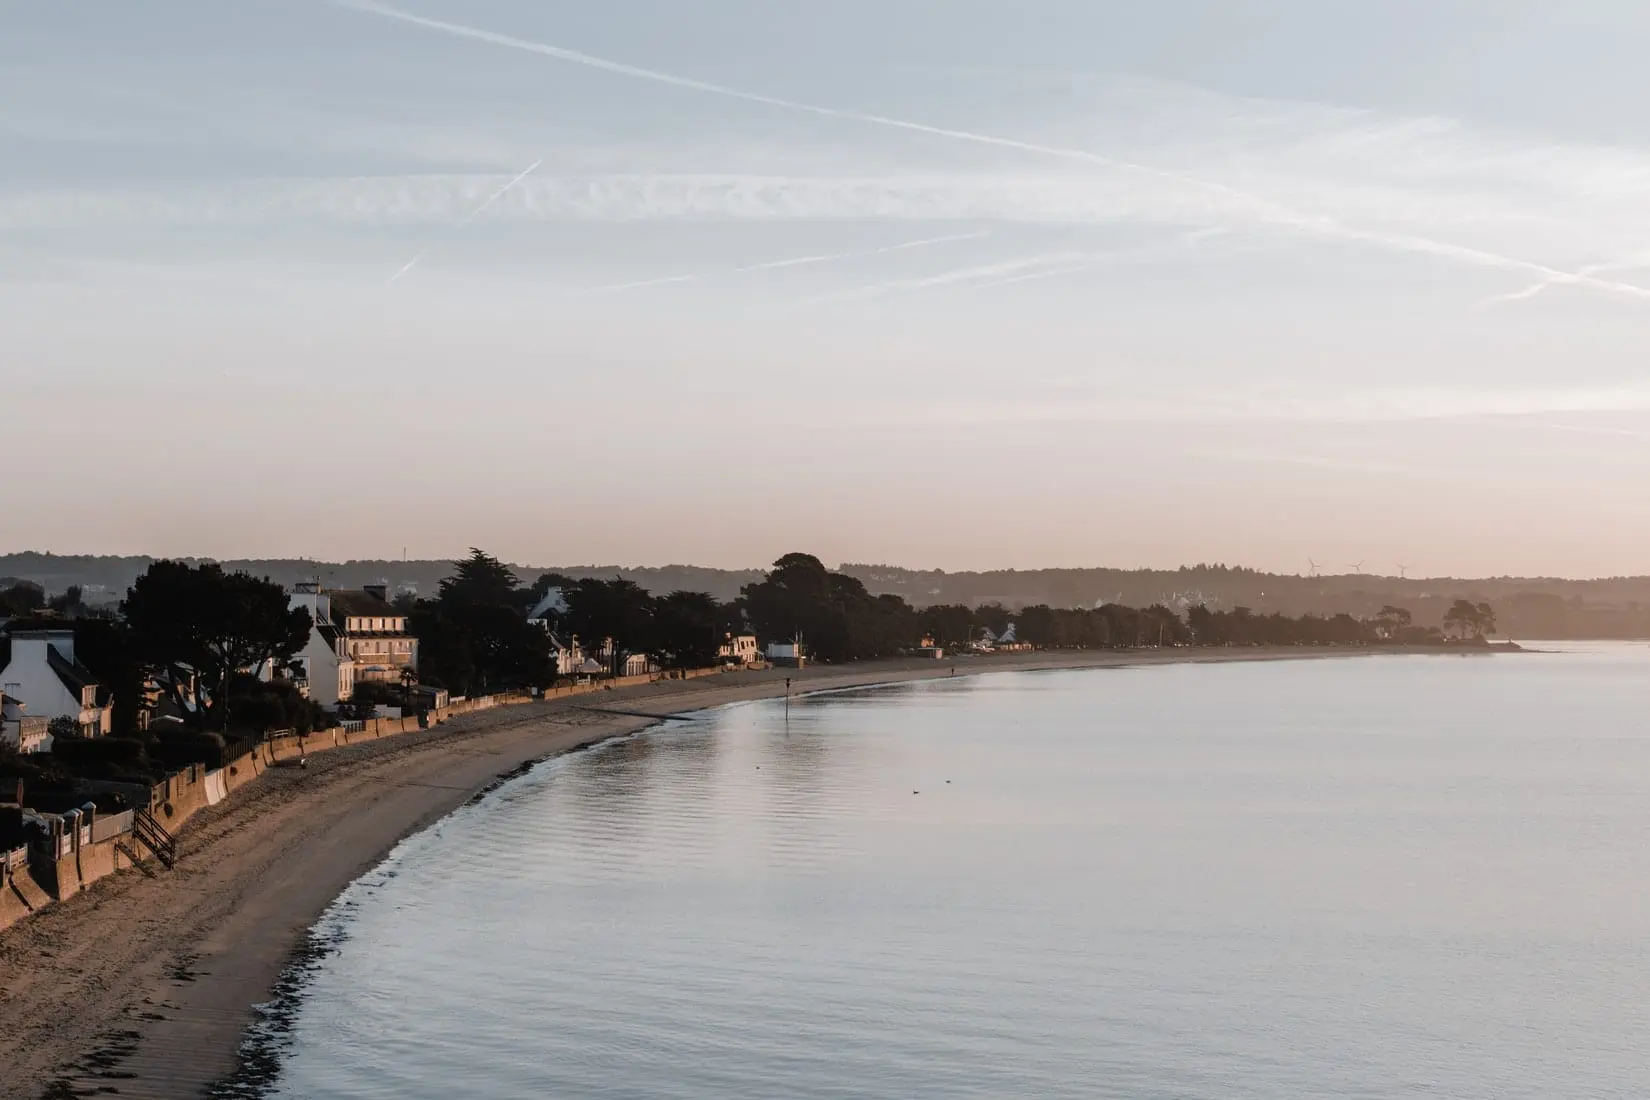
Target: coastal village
[130, 742]
[119, 724]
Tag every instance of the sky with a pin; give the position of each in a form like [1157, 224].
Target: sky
[940, 283]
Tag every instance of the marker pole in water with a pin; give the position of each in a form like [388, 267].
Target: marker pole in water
[787, 700]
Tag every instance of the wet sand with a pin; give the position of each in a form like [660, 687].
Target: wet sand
[144, 985]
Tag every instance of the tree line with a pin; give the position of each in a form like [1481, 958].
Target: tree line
[205, 635]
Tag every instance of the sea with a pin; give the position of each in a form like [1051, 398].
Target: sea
[1382, 877]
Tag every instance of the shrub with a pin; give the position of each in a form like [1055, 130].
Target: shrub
[103, 757]
[175, 750]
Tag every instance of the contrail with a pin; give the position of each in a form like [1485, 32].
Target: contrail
[1032, 276]
[1184, 239]
[799, 261]
[1267, 210]
[472, 215]
[1591, 269]
[1069, 263]
[956, 275]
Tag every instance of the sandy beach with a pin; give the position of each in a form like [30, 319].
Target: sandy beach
[144, 985]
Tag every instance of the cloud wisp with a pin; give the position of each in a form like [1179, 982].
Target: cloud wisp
[1035, 276]
[1237, 202]
[972, 273]
[471, 216]
[1392, 406]
[798, 261]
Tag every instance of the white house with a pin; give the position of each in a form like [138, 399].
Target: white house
[546, 615]
[637, 664]
[27, 732]
[787, 654]
[569, 655]
[324, 664]
[44, 676]
[739, 649]
[617, 662]
[549, 609]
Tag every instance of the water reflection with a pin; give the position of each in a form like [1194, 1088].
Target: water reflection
[1388, 878]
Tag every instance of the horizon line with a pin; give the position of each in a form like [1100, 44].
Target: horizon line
[839, 567]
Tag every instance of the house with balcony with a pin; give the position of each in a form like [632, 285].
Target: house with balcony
[375, 634]
[357, 636]
[45, 678]
[23, 731]
[569, 654]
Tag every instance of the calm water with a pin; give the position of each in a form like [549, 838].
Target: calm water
[1388, 877]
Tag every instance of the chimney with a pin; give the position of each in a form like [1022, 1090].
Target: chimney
[378, 590]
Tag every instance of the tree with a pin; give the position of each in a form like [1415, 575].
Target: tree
[63, 727]
[110, 649]
[474, 637]
[202, 625]
[481, 579]
[1391, 622]
[446, 658]
[1036, 624]
[22, 598]
[618, 609]
[687, 629]
[69, 603]
[1466, 620]
[993, 617]
[832, 613]
[949, 624]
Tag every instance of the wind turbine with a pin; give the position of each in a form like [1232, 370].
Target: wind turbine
[1403, 572]
[1314, 566]
[1357, 567]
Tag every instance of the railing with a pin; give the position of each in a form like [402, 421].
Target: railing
[153, 836]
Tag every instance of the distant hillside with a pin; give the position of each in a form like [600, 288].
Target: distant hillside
[1529, 607]
[107, 578]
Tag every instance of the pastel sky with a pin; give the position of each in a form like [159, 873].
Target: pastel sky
[956, 283]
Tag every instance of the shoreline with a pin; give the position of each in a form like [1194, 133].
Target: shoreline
[148, 981]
